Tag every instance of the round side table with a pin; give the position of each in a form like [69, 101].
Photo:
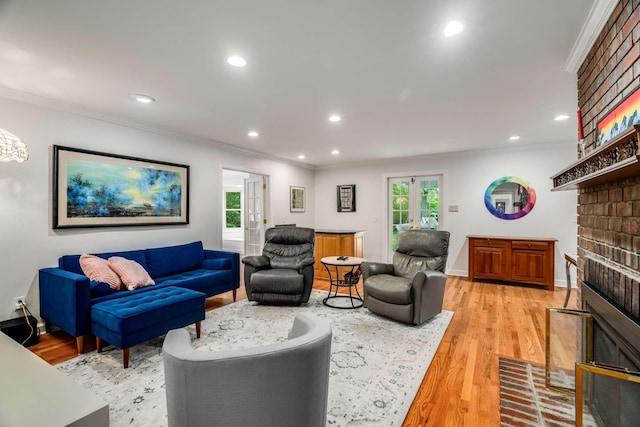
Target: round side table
[333, 263]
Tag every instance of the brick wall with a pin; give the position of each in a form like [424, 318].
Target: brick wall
[611, 70]
[609, 241]
[609, 214]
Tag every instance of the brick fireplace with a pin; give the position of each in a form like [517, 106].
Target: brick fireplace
[609, 241]
[607, 178]
[609, 211]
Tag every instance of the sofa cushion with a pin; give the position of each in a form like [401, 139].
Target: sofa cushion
[217, 264]
[174, 259]
[72, 262]
[100, 289]
[198, 280]
[97, 269]
[97, 296]
[132, 274]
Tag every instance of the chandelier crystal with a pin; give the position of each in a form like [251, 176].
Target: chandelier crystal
[12, 148]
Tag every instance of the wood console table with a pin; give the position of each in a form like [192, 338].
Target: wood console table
[512, 259]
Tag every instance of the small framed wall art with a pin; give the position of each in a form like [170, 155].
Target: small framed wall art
[621, 117]
[296, 200]
[346, 198]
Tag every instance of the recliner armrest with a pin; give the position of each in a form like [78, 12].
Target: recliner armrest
[373, 268]
[306, 262]
[428, 292]
[258, 261]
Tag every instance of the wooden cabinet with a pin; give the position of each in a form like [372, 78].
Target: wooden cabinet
[491, 258]
[513, 259]
[336, 243]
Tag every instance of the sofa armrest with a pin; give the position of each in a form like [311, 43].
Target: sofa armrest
[234, 257]
[373, 268]
[65, 300]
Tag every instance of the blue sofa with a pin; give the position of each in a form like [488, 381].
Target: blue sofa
[67, 295]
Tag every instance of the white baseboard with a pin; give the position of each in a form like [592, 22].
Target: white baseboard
[461, 273]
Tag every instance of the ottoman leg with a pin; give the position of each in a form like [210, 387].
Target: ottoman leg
[99, 344]
[125, 357]
[234, 294]
[198, 324]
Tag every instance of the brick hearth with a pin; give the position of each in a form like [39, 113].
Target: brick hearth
[525, 402]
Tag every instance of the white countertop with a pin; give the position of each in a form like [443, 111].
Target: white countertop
[36, 394]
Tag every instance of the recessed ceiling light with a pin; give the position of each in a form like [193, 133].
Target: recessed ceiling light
[301, 156]
[253, 134]
[335, 118]
[514, 138]
[453, 28]
[144, 99]
[561, 117]
[236, 61]
[335, 152]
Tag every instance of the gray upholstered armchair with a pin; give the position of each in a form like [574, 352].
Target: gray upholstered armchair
[283, 274]
[281, 384]
[411, 289]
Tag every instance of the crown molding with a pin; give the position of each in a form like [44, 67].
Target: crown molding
[596, 20]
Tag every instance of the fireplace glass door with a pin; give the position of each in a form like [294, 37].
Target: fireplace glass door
[606, 395]
[568, 340]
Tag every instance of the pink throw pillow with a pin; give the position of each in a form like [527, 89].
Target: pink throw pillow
[132, 274]
[97, 269]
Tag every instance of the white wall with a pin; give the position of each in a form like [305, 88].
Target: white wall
[466, 177]
[28, 242]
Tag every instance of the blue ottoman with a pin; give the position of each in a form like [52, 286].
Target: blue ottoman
[125, 322]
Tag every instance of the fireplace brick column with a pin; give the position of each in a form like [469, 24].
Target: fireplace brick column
[609, 214]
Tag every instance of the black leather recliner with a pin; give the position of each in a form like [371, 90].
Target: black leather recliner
[411, 289]
[283, 274]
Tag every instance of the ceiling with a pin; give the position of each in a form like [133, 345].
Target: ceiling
[401, 87]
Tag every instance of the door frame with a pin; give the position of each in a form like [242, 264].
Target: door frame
[384, 214]
[267, 197]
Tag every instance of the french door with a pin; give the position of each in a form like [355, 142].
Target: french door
[254, 190]
[414, 203]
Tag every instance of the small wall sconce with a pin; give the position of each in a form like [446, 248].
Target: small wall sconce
[12, 148]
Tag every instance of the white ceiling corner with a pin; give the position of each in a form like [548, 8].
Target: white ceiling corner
[598, 17]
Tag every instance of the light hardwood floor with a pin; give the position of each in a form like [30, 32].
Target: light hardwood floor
[461, 387]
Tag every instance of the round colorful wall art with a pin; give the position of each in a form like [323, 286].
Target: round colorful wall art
[509, 197]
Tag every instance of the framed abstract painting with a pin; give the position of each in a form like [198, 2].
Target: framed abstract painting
[94, 189]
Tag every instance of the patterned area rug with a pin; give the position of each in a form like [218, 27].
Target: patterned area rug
[526, 402]
[377, 365]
